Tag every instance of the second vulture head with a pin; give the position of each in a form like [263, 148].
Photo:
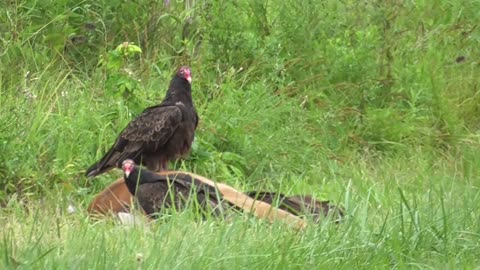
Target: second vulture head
[127, 166]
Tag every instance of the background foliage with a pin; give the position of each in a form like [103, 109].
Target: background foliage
[279, 87]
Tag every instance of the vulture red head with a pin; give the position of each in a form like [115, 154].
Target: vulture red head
[127, 166]
[186, 73]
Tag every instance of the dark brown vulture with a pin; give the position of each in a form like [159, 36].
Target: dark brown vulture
[157, 192]
[159, 134]
[152, 187]
[116, 198]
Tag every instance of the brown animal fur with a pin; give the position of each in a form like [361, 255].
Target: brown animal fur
[113, 199]
[116, 198]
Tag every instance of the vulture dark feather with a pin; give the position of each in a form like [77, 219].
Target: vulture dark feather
[160, 134]
[175, 189]
[299, 205]
[156, 192]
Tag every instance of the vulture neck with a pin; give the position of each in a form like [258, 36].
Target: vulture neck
[179, 90]
[132, 180]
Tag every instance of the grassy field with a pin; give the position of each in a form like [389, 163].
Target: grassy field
[372, 105]
[407, 214]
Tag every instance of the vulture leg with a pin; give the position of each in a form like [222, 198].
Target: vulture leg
[156, 163]
[164, 165]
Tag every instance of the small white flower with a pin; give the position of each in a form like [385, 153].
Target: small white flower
[71, 209]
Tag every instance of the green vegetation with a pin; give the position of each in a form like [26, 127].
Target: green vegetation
[372, 104]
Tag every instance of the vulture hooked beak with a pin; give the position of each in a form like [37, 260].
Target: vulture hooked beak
[185, 73]
[127, 167]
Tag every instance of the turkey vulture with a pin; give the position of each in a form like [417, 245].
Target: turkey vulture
[299, 205]
[156, 192]
[117, 197]
[159, 134]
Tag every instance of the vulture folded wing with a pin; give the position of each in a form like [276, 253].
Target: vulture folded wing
[158, 192]
[299, 205]
[154, 127]
[146, 133]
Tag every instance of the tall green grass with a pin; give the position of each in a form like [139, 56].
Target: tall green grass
[373, 105]
[397, 218]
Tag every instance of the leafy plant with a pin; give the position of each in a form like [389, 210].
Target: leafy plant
[120, 67]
